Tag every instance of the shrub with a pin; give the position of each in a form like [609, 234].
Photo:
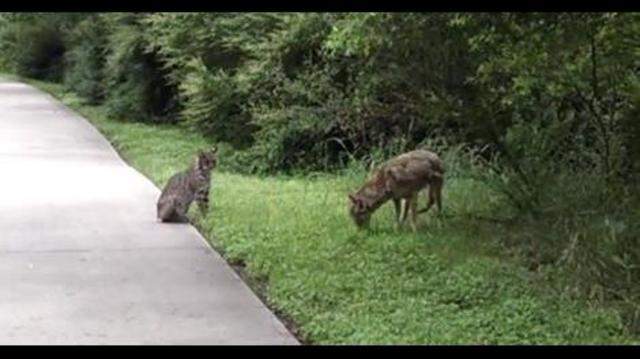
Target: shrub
[213, 104]
[85, 58]
[136, 84]
[34, 49]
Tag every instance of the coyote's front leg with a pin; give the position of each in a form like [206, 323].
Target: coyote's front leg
[398, 206]
[412, 204]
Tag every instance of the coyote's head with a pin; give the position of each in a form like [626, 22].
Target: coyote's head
[359, 210]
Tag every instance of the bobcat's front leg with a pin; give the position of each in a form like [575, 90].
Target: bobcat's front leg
[202, 198]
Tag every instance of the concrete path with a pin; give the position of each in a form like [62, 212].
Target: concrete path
[82, 258]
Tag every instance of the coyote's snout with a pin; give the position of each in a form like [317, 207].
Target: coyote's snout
[400, 178]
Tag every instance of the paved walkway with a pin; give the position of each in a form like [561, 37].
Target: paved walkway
[82, 258]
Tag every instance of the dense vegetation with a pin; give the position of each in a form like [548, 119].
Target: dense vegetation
[451, 283]
[539, 112]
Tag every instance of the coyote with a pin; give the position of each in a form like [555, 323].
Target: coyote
[400, 178]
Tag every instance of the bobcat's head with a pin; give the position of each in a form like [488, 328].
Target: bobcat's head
[208, 160]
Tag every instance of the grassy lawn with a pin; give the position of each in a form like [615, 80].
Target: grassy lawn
[451, 283]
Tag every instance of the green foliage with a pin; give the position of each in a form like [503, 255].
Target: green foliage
[34, 49]
[447, 284]
[136, 86]
[570, 79]
[203, 54]
[85, 58]
[212, 104]
[279, 78]
[4, 61]
[357, 82]
[537, 111]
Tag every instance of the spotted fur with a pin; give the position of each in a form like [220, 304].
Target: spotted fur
[185, 187]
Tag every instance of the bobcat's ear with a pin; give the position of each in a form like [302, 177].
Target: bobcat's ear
[353, 199]
[214, 150]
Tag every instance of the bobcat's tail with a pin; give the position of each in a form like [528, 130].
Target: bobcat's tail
[165, 210]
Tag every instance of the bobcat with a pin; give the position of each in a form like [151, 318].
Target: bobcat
[401, 178]
[185, 187]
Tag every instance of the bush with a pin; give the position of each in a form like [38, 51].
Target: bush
[213, 104]
[207, 55]
[136, 84]
[85, 59]
[34, 49]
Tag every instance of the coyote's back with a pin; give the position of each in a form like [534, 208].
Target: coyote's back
[413, 171]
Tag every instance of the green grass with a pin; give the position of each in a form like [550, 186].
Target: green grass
[451, 283]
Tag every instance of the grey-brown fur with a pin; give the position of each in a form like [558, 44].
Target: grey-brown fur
[187, 186]
[400, 178]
